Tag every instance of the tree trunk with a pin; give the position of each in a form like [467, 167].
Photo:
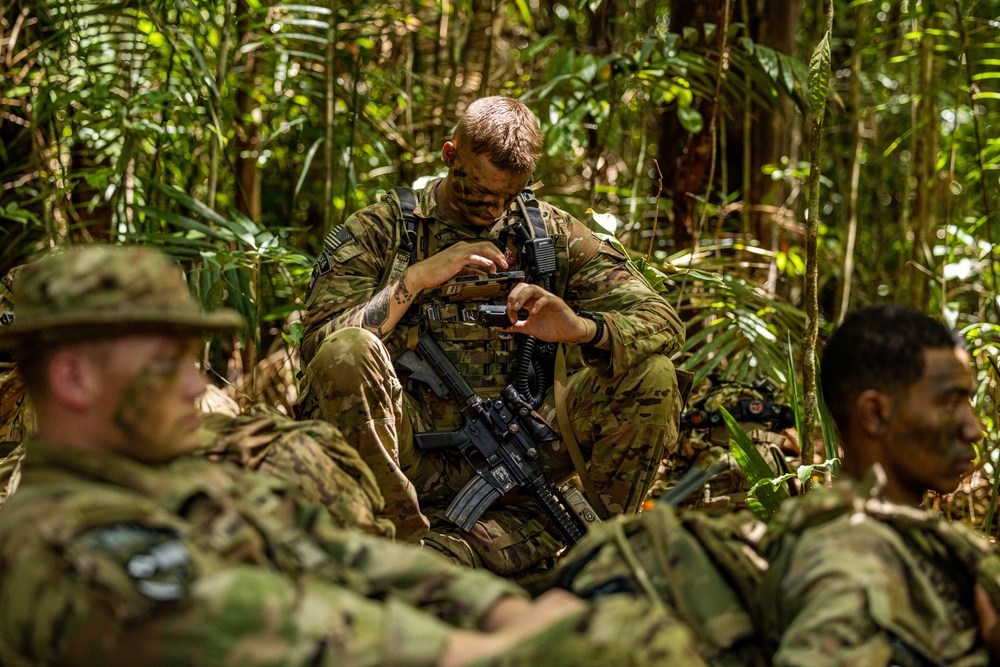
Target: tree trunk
[684, 162]
[925, 148]
[763, 139]
[857, 125]
[247, 121]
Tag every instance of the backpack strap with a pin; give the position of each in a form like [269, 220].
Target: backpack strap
[406, 235]
[572, 446]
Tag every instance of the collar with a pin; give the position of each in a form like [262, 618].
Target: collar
[44, 461]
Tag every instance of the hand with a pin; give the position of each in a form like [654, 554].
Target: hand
[989, 620]
[453, 260]
[549, 317]
[509, 623]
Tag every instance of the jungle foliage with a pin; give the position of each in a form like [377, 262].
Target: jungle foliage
[235, 134]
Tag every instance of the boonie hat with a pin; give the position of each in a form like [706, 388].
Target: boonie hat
[94, 291]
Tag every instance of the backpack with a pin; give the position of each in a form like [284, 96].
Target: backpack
[702, 568]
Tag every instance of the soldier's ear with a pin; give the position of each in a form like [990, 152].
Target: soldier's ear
[873, 409]
[449, 153]
[72, 379]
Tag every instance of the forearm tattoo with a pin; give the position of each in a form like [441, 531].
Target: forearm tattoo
[377, 313]
[400, 293]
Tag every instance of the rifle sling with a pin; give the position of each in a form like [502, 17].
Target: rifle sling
[566, 430]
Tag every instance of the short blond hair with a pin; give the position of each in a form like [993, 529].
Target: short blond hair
[505, 131]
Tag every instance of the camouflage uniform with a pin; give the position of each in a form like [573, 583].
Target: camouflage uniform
[624, 404]
[107, 561]
[199, 563]
[311, 456]
[858, 580]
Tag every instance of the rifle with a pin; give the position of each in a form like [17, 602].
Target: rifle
[499, 438]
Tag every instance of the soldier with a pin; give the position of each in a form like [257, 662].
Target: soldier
[859, 575]
[704, 444]
[119, 550]
[389, 273]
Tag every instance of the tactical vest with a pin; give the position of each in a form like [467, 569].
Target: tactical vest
[486, 357]
[237, 519]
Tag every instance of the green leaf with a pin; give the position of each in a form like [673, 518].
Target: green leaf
[526, 15]
[305, 167]
[757, 509]
[753, 465]
[819, 76]
[768, 60]
[536, 47]
[690, 119]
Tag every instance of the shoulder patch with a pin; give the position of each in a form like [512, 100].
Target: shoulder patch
[322, 267]
[336, 238]
[155, 559]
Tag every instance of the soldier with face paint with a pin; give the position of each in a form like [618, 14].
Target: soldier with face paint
[859, 574]
[119, 550]
[366, 308]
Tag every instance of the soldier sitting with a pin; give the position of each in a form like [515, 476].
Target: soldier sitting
[310, 455]
[859, 575]
[118, 550]
[394, 270]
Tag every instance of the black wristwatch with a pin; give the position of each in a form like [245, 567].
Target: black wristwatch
[599, 321]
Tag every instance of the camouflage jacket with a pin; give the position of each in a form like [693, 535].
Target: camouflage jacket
[858, 580]
[311, 456]
[106, 561]
[591, 275]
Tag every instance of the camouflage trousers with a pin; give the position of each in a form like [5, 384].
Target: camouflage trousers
[625, 426]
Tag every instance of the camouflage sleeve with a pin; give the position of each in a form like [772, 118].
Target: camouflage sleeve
[419, 577]
[640, 321]
[347, 274]
[134, 594]
[843, 599]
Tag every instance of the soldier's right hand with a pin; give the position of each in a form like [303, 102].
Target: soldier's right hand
[453, 260]
[511, 622]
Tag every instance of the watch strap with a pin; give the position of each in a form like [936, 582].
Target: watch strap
[599, 321]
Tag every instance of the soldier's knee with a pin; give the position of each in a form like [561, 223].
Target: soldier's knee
[351, 340]
[352, 347]
[350, 351]
[651, 388]
[654, 374]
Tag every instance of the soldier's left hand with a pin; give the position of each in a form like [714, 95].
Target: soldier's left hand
[549, 317]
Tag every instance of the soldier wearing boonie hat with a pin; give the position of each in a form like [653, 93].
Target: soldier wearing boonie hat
[116, 550]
